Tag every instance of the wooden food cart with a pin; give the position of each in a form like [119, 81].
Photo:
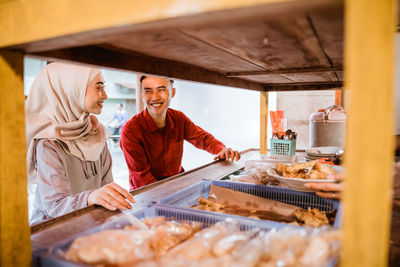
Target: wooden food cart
[263, 45]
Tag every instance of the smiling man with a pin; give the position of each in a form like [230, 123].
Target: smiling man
[152, 141]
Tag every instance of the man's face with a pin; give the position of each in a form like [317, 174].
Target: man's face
[157, 94]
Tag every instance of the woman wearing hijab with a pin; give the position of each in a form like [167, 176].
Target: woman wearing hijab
[67, 155]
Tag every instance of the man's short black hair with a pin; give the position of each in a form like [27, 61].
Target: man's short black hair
[122, 105]
[145, 76]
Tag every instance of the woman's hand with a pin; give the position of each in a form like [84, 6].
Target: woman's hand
[111, 196]
[329, 189]
[228, 154]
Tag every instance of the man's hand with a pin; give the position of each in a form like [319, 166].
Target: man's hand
[228, 154]
[111, 196]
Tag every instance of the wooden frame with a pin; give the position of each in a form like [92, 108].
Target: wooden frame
[14, 228]
[95, 34]
[369, 157]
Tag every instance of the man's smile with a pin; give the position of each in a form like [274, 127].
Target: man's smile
[156, 105]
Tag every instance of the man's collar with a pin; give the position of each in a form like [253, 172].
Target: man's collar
[152, 126]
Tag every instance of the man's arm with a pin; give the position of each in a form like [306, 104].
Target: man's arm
[136, 159]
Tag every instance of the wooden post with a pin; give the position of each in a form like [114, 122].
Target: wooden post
[369, 66]
[344, 98]
[14, 228]
[139, 98]
[263, 122]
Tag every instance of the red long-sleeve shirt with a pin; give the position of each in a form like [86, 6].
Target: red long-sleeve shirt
[153, 154]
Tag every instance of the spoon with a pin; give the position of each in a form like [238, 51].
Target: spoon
[134, 221]
[289, 134]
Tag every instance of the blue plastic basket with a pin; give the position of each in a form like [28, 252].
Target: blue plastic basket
[283, 147]
[52, 256]
[188, 197]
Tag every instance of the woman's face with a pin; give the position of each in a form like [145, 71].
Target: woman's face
[95, 95]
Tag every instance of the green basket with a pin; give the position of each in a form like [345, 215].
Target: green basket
[283, 147]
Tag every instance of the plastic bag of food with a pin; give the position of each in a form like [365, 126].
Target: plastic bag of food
[222, 261]
[250, 253]
[324, 245]
[170, 234]
[251, 164]
[257, 175]
[230, 243]
[111, 247]
[245, 177]
[200, 245]
[300, 247]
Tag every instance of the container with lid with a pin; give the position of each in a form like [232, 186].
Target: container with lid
[327, 127]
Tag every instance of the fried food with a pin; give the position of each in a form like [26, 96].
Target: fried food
[316, 175]
[280, 168]
[312, 217]
[324, 168]
[309, 170]
[299, 167]
[208, 205]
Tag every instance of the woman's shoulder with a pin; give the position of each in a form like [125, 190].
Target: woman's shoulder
[48, 143]
[47, 146]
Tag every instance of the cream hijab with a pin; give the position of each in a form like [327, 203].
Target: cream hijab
[55, 109]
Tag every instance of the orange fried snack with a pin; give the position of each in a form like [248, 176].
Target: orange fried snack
[312, 217]
[208, 205]
[309, 170]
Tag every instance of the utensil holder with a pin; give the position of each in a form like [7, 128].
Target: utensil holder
[283, 147]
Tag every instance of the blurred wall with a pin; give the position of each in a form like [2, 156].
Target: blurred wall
[230, 114]
[298, 107]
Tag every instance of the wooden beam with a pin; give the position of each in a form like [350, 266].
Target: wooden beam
[303, 86]
[15, 249]
[216, 49]
[263, 122]
[65, 17]
[329, 27]
[177, 46]
[369, 66]
[286, 71]
[130, 61]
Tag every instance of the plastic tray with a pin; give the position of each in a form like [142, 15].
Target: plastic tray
[188, 197]
[52, 256]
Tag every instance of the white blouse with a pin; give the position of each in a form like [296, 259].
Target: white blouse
[65, 181]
